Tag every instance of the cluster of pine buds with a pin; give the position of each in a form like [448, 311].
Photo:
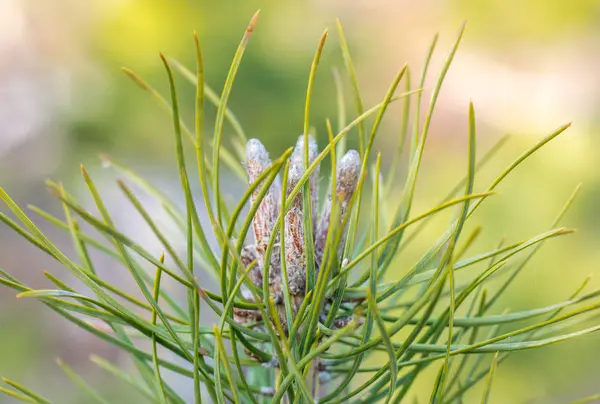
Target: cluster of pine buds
[264, 221]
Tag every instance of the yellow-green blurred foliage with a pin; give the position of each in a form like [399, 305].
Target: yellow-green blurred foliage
[528, 66]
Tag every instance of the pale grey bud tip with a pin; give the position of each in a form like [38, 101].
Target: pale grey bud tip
[348, 172]
[255, 151]
[349, 160]
[294, 174]
[313, 148]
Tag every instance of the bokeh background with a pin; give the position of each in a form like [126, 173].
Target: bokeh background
[529, 67]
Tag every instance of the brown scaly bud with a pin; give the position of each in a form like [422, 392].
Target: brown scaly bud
[243, 316]
[348, 171]
[257, 161]
[275, 278]
[248, 256]
[342, 322]
[266, 215]
[294, 225]
[347, 175]
[298, 157]
[347, 180]
[294, 236]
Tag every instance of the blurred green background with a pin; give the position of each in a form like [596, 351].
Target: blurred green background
[528, 66]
